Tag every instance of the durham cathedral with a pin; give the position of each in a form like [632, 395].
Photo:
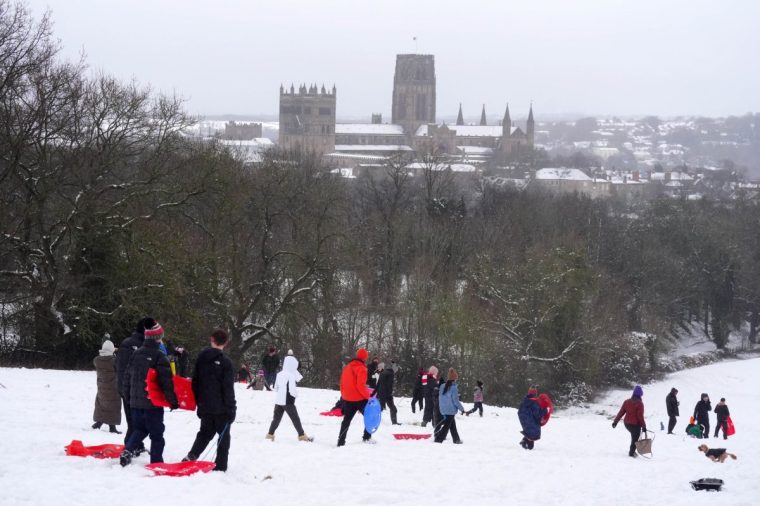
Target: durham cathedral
[308, 122]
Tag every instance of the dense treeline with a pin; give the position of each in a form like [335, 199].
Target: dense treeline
[109, 213]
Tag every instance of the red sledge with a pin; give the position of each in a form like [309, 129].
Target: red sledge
[730, 429]
[183, 389]
[545, 402]
[180, 468]
[108, 451]
[411, 436]
[333, 412]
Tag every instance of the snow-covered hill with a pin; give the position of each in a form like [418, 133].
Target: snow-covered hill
[580, 460]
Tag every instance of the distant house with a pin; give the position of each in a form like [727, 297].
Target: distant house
[566, 180]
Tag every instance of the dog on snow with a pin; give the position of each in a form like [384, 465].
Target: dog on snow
[716, 454]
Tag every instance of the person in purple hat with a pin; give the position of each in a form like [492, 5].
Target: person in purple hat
[633, 409]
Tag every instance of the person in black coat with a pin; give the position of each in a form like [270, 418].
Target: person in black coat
[385, 391]
[431, 413]
[418, 392]
[270, 362]
[123, 355]
[722, 411]
[148, 419]
[371, 373]
[671, 403]
[702, 414]
[214, 389]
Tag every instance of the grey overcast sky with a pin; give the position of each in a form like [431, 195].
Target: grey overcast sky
[626, 57]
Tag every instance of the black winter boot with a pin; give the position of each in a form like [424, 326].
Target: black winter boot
[97, 425]
[126, 458]
[112, 429]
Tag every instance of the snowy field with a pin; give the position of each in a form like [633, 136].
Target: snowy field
[580, 460]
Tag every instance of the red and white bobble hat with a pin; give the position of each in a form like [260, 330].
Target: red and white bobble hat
[155, 332]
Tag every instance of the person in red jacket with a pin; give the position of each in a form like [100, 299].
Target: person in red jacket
[354, 392]
[633, 409]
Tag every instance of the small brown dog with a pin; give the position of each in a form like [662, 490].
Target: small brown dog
[716, 454]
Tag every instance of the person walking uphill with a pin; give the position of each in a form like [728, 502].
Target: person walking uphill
[270, 362]
[354, 392]
[702, 414]
[148, 420]
[449, 404]
[107, 401]
[385, 390]
[127, 348]
[214, 389]
[633, 409]
[671, 404]
[530, 414]
[722, 411]
[477, 399]
[431, 399]
[286, 392]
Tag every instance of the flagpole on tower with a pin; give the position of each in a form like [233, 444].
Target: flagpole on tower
[416, 49]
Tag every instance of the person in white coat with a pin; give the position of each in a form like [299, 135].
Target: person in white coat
[286, 392]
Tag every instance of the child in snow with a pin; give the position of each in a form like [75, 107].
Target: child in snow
[431, 396]
[702, 414]
[355, 394]
[477, 398]
[722, 411]
[286, 392]
[418, 393]
[694, 430]
[448, 404]
[633, 409]
[530, 414]
[148, 420]
[214, 389]
[108, 400]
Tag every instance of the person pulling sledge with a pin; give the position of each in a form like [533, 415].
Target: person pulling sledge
[722, 411]
[633, 409]
[286, 392]
[530, 414]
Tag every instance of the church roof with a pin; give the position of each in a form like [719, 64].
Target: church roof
[562, 173]
[369, 129]
[469, 130]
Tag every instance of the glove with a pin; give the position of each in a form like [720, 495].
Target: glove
[461, 411]
[174, 406]
[231, 416]
[614, 424]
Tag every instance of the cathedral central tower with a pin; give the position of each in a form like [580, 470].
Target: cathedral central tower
[414, 91]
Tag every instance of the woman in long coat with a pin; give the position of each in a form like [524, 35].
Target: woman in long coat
[107, 401]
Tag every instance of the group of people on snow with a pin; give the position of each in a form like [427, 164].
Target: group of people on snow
[632, 413]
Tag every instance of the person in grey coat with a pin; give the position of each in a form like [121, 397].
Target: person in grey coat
[107, 400]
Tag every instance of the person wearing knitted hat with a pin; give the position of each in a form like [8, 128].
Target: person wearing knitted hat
[449, 404]
[430, 382]
[127, 348]
[530, 414]
[633, 410]
[107, 401]
[148, 420]
[355, 394]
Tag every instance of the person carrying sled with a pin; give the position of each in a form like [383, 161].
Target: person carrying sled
[286, 392]
[270, 362]
[671, 404]
[354, 392]
[477, 398]
[147, 418]
[449, 404]
[722, 411]
[702, 414]
[385, 390]
[214, 390]
[530, 414]
[123, 356]
[431, 397]
[107, 401]
[418, 392]
[633, 409]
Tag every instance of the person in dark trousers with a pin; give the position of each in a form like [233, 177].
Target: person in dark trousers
[385, 391]
[123, 355]
[530, 414]
[633, 409]
[270, 362]
[107, 401]
[477, 398]
[702, 414]
[214, 389]
[354, 392]
[418, 392]
[671, 403]
[722, 411]
[431, 401]
[148, 420]
[449, 404]
[372, 376]
[286, 392]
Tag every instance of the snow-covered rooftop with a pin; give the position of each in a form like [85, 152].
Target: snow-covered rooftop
[562, 173]
[368, 129]
[372, 147]
[468, 130]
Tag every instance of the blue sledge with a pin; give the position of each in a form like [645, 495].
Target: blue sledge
[372, 415]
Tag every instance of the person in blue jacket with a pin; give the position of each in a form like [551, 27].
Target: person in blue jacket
[530, 414]
[448, 404]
